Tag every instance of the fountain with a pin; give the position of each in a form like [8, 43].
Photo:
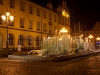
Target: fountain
[63, 45]
[56, 48]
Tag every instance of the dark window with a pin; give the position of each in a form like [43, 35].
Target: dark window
[1, 1]
[30, 24]
[22, 6]
[44, 14]
[44, 27]
[12, 3]
[38, 26]
[29, 40]
[20, 40]
[37, 41]
[30, 9]
[10, 39]
[55, 18]
[38, 12]
[22, 22]
[50, 16]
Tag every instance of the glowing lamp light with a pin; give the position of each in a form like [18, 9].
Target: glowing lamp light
[3, 17]
[64, 13]
[98, 38]
[7, 13]
[90, 36]
[12, 18]
[67, 15]
[63, 30]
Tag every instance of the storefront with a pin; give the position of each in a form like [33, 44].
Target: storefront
[97, 45]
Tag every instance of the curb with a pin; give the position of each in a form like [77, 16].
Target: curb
[48, 59]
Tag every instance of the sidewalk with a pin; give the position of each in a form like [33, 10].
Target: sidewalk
[23, 56]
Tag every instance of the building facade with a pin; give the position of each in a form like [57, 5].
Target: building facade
[31, 23]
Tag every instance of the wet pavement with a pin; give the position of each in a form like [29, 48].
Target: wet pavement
[89, 65]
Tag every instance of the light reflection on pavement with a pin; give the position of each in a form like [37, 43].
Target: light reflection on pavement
[89, 65]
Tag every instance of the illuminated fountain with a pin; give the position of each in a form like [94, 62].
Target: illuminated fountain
[63, 44]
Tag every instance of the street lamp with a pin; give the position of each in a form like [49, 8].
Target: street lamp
[90, 38]
[7, 19]
[63, 30]
[98, 38]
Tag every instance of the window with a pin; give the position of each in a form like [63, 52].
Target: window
[59, 19]
[11, 23]
[50, 28]
[44, 14]
[38, 12]
[20, 40]
[12, 3]
[50, 16]
[37, 41]
[55, 18]
[29, 40]
[55, 28]
[30, 9]
[22, 6]
[1, 1]
[22, 22]
[0, 20]
[30, 24]
[44, 27]
[38, 26]
[10, 39]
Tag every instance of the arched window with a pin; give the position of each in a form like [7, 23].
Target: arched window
[20, 40]
[37, 41]
[10, 39]
[30, 40]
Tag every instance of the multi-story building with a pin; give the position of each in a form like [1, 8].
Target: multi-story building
[31, 23]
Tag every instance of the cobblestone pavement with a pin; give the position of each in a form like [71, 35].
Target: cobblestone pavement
[89, 65]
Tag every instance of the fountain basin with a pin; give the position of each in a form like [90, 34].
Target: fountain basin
[33, 58]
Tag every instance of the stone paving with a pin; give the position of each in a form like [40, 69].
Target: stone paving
[89, 65]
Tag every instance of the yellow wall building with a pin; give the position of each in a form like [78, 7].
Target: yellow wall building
[31, 22]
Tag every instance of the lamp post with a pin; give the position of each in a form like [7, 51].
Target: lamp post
[90, 37]
[90, 42]
[7, 19]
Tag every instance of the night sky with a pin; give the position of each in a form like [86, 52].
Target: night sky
[86, 12]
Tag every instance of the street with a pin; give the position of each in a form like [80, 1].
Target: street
[89, 65]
